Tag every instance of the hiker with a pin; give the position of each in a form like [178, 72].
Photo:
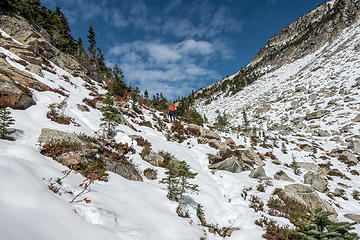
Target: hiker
[171, 112]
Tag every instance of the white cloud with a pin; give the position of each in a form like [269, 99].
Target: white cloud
[196, 47]
[163, 54]
[172, 68]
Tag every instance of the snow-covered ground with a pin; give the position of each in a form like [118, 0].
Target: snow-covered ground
[119, 208]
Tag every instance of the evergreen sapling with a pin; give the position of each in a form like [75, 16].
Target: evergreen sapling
[109, 121]
[5, 121]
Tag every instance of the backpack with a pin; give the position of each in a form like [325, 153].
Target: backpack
[172, 108]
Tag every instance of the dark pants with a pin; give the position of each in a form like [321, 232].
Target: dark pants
[172, 115]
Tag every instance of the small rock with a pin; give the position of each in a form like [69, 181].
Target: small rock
[338, 192]
[315, 115]
[231, 230]
[283, 176]
[357, 118]
[83, 108]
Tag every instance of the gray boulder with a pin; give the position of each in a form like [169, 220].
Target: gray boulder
[352, 216]
[316, 181]
[232, 164]
[209, 134]
[357, 118]
[83, 108]
[214, 143]
[55, 136]
[259, 173]
[315, 115]
[249, 155]
[154, 159]
[124, 169]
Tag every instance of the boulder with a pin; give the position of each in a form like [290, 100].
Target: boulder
[124, 169]
[307, 197]
[310, 167]
[154, 158]
[249, 155]
[56, 136]
[11, 96]
[323, 133]
[355, 146]
[230, 142]
[281, 175]
[357, 118]
[316, 181]
[214, 143]
[195, 129]
[259, 173]
[83, 108]
[352, 216]
[315, 115]
[232, 164]
[209, 134]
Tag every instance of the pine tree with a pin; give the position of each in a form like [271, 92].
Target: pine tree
[319, 226]
[172, 182]
[184, 174]
[146, 94]
[109, 121]
[92, 42]
[177, 179]
[5, 121]
[119, 87]
[80, 47]
[245, 121]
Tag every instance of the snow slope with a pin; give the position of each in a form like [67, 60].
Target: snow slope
[120, 209]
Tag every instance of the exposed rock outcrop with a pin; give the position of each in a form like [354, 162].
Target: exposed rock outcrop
[307, 197]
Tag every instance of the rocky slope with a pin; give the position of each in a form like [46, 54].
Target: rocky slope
[303, 102]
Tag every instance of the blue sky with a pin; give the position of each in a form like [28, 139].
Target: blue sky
[176, 46]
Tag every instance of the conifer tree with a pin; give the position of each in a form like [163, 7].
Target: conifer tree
[119, 86]
[146, 94]
[245, 121]
[177, 179]
[5, 121]
[172, 182]
[319, 226]
[109, 119]
[100, 59]
[80, 46]
[92, 42]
